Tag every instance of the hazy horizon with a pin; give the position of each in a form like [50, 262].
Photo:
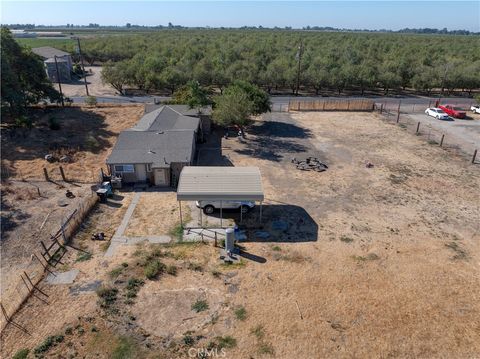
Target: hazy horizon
[370, 15]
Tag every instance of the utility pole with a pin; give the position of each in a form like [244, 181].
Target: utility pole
[83, 67]
[59, 80]
[299, 57]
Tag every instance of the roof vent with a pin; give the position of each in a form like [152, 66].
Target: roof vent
[151, 152]
[160, 133]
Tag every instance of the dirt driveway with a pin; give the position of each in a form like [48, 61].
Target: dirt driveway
[94, 83]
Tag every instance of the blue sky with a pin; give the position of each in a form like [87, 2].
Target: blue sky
[342, 14]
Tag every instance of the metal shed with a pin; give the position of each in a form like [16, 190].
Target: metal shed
[220, 184]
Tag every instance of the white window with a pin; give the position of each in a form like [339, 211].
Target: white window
[124, 168]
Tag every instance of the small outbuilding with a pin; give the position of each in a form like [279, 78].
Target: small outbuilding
[64, 63]
[220, 184]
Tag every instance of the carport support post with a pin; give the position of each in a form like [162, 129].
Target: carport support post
[221, 214]
[181, 220]
[201, 222]
[261, 206]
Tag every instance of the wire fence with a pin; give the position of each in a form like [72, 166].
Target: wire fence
[423, 129]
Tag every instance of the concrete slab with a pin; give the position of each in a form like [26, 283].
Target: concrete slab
[62, 277]
[86, 287]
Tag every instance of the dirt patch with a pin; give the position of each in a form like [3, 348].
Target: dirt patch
[94, 82]
[157, 213]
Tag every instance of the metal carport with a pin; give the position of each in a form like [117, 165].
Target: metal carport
[220, 184]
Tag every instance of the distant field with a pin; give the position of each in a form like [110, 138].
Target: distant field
[61, 43]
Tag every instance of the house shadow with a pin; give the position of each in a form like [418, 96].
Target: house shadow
[210, 152]
[273, 140]
[280, 223]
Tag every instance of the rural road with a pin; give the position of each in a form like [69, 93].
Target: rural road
[280, 102]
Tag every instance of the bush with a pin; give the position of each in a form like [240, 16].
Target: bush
[188, 340]
[153, 269]
[133, 286]
[47, 344]
[21, 354]
[223, 342]
[241, 313]
[23, 122]
[200, 305]
[53, 124]
[107, 296]
[124, 349]
[172, 270]
[84, 257]
[91, 101]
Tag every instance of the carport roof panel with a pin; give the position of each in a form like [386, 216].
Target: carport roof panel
[220, 184]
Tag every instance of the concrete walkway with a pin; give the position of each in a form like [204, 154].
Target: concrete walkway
[119, 238]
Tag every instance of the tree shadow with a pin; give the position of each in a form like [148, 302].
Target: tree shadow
[79, 131]
[210, 152]
[273, 140]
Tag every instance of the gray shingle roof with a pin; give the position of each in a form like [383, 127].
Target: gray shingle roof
[165, 118]
[159, 149]
[48, 52]
[183, 109]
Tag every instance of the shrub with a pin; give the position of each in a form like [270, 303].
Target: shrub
[225, 342]
[124, 349]
[133, 286]
[172, 270]
[107, 296]
[153, 269]
[258, 331]
[241, 313]
[91, 143]
[188, 340]
[114, 273]
[21, 354]
[265, 348]
[200, 305]
[91, 100]
[23, 122]
[47, 344]
[276, 248]
[84, 257]
[53, 124]
[346, 239]
[177, 232]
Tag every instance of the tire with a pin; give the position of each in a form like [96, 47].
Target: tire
[209, 209]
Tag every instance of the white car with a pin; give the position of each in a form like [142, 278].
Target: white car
[210, 206]
[475, 108]
[438, 113]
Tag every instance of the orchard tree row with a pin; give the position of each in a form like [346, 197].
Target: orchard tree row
[166, 60]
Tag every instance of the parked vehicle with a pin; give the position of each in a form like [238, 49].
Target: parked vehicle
[210, 206]
[438, 113]
[475, 108]
[453, 111]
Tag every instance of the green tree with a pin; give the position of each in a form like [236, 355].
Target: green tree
[233, 107]
[24, 80]
[116, 75]
[193, 95]
[259, 98]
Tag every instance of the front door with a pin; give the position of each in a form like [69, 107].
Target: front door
[160, 178]
[141, 172]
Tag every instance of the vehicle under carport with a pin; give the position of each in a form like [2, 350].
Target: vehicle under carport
[220, 184]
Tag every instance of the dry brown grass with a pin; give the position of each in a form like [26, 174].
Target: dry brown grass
[404, 283]
[157, 213]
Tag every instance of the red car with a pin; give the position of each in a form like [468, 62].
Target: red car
[453, 111]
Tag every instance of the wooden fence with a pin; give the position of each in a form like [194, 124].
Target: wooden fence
[331, 105]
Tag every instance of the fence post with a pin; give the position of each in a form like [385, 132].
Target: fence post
[45, 173]
[474, 156]
[441, 141]
[418, 128]
[63, 174]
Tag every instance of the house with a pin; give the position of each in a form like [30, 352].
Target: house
[155, 150]
[203, 113]
[64, 62]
